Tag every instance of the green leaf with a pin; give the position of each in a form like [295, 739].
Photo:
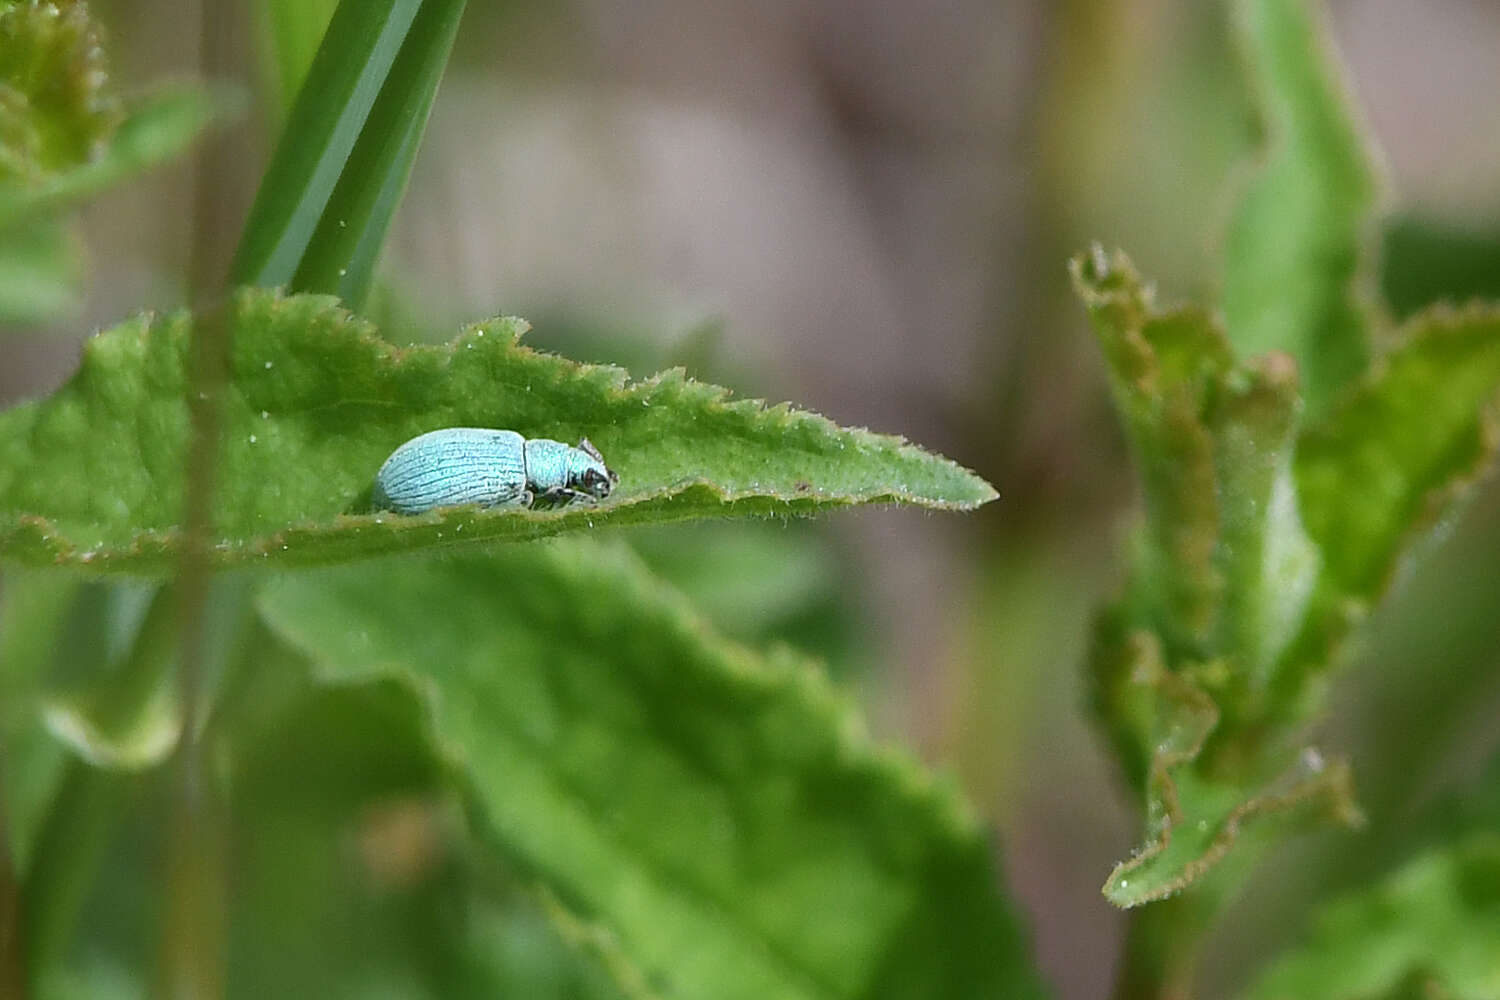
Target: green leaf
[1297, 248]
[40, 272]
[364, 850]
[32, 614]
[1162, 366]
[32, 617]
[159, 128]
[92, 476]
[363, 846]
[1196, 813]
[721, 817]
[769, 581]
[291, 33]
[348, 146]
[1268, 563]
[85, 812]
[1413, 434]
[54, 111]
[1432, 929]
[126, 717]
[1428, 261]
[341, 256]
[1222, 583]
[63, 811]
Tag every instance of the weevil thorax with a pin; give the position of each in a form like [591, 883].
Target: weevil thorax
[553, 465]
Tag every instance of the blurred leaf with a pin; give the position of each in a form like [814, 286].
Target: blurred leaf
[338, 804]
[362, 849]
[54, 630]
[325, 201]
[32, 613]
[83, 817]
[71, 811]
[111, 649]
[317, 402]
[1424, 262]
[1220, 586]
[95, 979]
[32, 616]
[161, 127]
[721, 818]
[1413, 435]
[40, 271]
[517, 951]
[1296, 251]
[767, 582]
[1432, 929]
[356, 847]
[342, 253]
[1427, 667]
[1203, 686]
[1161, 367]
[1417, 430]
[1196, 813]
[126, 715]
[1268, 563]
[293, 30]
[54, 112]
[122, 714]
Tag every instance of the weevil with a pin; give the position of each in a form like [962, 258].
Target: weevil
[492, 468]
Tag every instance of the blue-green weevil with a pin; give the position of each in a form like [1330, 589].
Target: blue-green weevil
[492, 468]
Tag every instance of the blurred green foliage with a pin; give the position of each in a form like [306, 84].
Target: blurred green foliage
[65, 135]
[54, 109]
[696, 818]
[1432, 929]
[607, 768]
[689, 797]
[1295, 249]
[1285, 475]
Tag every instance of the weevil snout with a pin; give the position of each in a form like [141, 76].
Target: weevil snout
[596, 479]
[596, 484]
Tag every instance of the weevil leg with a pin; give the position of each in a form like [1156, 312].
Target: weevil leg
[526, 498]
[557, 496]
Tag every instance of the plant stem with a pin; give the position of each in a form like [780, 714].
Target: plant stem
[193, 928]
[12, 959]
[1161, 949]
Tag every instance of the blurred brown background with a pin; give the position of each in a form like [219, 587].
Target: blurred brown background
[866, 208]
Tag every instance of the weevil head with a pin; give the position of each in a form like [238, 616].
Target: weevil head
[587, 472]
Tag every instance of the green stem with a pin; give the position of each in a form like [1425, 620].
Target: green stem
[1161, 949]
[12, 959]
[193, 926]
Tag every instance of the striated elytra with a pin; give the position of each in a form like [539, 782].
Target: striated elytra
[492, 468]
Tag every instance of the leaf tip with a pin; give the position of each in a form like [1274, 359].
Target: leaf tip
[1100, 275]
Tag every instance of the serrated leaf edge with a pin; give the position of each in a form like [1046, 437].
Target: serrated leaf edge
[1436, 321]
[1306, 781]
[157, 550]
[934, 793]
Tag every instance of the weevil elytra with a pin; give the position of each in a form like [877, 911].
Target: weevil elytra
[492, 468]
